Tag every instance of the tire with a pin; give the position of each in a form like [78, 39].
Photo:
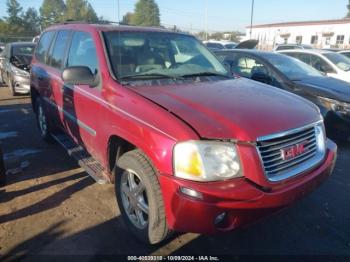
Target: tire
[42, 121]
[137, 189]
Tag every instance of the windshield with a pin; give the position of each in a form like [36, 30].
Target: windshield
[23, 50]
[341, 61]
[142, 55]
[292, 68]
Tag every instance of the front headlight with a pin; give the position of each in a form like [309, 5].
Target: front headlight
[206, 161]
[321, 138]
[19, 72]
[334, 105]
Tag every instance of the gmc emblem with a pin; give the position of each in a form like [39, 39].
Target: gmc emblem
[294, 151]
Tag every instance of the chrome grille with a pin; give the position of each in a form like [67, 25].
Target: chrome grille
[271, 150]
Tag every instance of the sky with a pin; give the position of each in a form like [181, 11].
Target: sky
[223, 15]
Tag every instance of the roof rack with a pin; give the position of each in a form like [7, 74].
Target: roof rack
[71, 21]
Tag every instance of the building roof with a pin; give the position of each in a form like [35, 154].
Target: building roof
[304, 23]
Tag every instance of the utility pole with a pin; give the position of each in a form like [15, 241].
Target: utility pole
[118, 4]
[206, 20]
[251, 19]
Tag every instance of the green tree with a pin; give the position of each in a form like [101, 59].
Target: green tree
[127, 19]
[52, 12]
[14, 18]
[348, 6]
[80, 10]
[146, 13]
[31, 21]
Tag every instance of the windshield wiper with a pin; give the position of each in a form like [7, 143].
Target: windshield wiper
[151, 76]
[205, 74]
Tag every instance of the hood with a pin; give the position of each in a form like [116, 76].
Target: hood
[233, 109]
[327, 87]
[248, 44]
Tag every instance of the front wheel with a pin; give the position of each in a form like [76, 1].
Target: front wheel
[140, 199]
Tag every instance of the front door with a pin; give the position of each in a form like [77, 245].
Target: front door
[80, 102]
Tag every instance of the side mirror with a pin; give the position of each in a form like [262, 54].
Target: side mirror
[79, 75]
[262, 77]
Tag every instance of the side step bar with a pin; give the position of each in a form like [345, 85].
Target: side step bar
[85, 160]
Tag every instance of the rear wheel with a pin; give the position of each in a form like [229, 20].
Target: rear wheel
[42, 120]
[140, 199]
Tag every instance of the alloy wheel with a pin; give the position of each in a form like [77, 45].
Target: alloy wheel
[134, 199]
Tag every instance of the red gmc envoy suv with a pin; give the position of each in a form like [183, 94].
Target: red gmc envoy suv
[188, 147]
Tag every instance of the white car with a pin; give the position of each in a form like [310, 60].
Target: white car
[330, 63]
[219, 45]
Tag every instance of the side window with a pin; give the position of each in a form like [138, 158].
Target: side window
[321, 65]
[256, 70]
[43, 46]
[306, 58]
[59, 49]
[246, 66]
[83, 52]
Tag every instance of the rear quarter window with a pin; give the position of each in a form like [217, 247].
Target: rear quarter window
[44, 46]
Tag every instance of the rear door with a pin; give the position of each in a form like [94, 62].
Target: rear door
[55, 63]
[40, 79]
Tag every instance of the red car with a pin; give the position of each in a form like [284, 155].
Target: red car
[188, 147]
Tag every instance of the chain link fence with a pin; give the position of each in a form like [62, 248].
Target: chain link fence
[9, 39]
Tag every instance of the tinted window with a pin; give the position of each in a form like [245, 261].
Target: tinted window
[306, 58]
[254, 69]
[320, 64]
[83, 52]
[341, 61]
[347, 54]
[59, 50]
[292, 68]
[43, 46]
[23, 50]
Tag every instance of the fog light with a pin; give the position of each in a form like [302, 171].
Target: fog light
[190, 192]
[220, 218]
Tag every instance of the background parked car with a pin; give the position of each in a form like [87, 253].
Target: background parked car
[331, 95]
[218, 45]
[291, 47]
[15, 65]
[328, 62]
[345, 52]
